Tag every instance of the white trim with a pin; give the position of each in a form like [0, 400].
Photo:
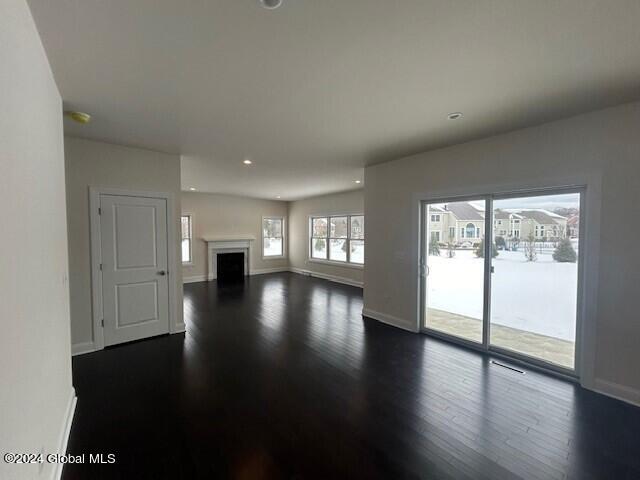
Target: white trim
[191, 217]
[621, 392]
[324, 276]
[262, 271]
[357, 266]
[328, 238]
[227, 245]
[228, 238]
[194, 279]
[82, 348]
[257, 271]
[63, 439]
[96, 257]
[180, 328]
[589, 249]
[389, 320]
[284, 237]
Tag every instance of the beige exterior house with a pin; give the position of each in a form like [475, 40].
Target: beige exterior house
[462, 223]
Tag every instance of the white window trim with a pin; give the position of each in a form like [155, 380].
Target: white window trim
[327, 261]
[284, 237]
[190, 262]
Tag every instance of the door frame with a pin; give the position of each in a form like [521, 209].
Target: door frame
[96, 257]
[585, 318]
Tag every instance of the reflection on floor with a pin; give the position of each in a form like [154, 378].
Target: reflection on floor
[554, 350]
[281, 377]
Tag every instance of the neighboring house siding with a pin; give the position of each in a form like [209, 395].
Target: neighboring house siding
[466, 224]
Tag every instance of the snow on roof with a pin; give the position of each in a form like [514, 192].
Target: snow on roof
[544, 217]
[501, 214]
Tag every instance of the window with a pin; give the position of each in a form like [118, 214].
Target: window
[452, 233]
[471, 230]
[272, 237]
[435, 235]
[337, 239]
[435, 218]
[187, 230]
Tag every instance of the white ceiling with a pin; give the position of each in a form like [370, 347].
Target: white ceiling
[317, 89]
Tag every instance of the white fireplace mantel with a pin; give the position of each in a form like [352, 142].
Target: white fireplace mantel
[227, 244]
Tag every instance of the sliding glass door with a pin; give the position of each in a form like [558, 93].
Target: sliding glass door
[534, 286]
[501, 272]
[453, 272]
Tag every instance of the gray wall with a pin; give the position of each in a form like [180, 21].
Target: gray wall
[227, 215]
[35, 354]
[299, 212]
[603, 146]
[97, 164]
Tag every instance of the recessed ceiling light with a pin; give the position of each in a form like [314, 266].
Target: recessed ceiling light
[270, 4]
[79, 117]
[358, 181]
[454, 116]
[192, 189]
[277, 196]
[247, 162]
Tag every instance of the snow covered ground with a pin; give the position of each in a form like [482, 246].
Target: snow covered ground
[538, 297]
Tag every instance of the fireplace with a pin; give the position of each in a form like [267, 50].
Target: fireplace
[230, 267]
[219, 246]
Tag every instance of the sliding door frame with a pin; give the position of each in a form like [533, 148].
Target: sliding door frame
[516, 357]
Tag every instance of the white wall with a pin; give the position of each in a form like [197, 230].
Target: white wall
[602, 147]
[98, 164]
[228, 215]
[36, 394]
[299, 212]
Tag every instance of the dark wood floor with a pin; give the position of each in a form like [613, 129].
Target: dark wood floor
[282, 378]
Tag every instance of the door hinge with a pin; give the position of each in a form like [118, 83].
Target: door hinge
[100, 267]
[102, 323]
[99, 211]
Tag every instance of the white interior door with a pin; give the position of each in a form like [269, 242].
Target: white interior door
[135, 283]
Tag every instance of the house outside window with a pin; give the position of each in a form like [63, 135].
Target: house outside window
[338, 238]
[273, 237]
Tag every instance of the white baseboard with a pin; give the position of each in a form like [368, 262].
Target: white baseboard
[81, 348]
[257, 271]
[63, 438]
[324, 276]
[262, 271]
[621, 392]
[179, 328]
[194, 279]
[389, 320]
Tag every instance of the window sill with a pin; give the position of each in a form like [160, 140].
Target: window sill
[187, 264]
[335, 263]
[274, 257]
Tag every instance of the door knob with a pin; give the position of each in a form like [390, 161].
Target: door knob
[162, 272]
